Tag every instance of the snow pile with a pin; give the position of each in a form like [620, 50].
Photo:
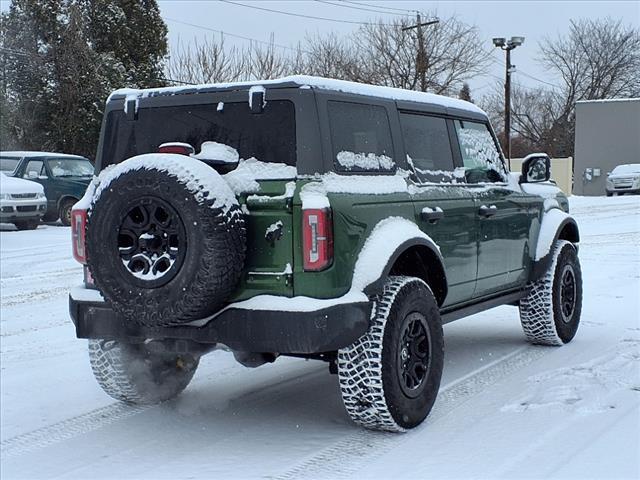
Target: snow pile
[550, 223]
[383, 241]
[200, 179]
[217, 151]
[257, 89]
[364, 161]
[18, 185]
[314, 194]
[244, 177]
[289, 191]
[320, 83]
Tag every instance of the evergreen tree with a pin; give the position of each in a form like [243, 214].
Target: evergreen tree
[61, 58]
[465, 93]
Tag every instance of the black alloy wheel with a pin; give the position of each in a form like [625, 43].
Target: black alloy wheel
[151, 242]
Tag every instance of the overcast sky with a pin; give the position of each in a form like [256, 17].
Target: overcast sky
[531, 19]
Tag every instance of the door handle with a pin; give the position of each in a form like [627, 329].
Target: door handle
[431, 215]
[487, 212]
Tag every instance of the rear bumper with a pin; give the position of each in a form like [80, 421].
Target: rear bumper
[323, 330]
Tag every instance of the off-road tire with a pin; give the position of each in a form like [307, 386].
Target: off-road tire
[213, 255]
[541, 314]
[50, 217]
[64, 212]
[130, 374]
[27, 224]
[369, 370]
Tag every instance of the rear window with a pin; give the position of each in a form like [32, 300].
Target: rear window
[361, 137]
[8, 164]
[269, 136]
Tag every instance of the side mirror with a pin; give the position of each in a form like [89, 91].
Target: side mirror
[536, 168]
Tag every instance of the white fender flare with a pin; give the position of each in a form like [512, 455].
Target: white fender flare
[387, 241]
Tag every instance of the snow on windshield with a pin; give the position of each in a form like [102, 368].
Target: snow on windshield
[71, 168]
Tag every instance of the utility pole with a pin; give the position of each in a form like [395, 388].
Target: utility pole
[421, 57]
[507, 46]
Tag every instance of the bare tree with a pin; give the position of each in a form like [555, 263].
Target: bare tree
[206, 61]
[596, 59]
[454, 53]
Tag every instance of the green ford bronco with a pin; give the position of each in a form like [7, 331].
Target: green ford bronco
[312, 218]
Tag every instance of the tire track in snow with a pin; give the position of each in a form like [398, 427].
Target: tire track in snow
[344, 458]
[67, 429]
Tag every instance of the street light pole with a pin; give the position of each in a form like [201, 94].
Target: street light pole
[507, 107]
[507, 46]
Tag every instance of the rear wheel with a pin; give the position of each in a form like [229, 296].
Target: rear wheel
[27, 224]
[131, 374]
[389, 378]
[65, 211]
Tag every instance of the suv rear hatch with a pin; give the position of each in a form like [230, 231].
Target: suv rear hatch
[264, 180]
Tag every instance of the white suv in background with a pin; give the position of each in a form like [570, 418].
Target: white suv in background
[22, 202]
[624, 179]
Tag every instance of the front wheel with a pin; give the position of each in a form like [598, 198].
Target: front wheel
[550, 313]
[389, 378]
[133, 375]
[65, 211]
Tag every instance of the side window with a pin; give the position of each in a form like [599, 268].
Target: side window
[426, 142]
[480, 155]
[35, 166]
[361, 137]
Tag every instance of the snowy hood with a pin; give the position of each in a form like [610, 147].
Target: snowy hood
[18, 185]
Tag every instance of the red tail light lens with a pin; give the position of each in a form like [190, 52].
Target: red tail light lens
[317, 239]
[78, 224]
[176, 147]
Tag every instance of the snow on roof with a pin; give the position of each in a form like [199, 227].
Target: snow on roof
[26, 153]
[305, 81]
[610, 100]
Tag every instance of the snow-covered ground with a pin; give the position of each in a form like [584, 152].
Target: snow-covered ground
[506, 409]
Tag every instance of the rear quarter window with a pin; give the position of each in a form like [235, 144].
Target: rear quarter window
[361, 137]
[428, 148]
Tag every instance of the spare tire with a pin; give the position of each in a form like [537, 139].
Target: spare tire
[165, 239]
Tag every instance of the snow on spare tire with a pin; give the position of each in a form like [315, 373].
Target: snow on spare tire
[165, 239]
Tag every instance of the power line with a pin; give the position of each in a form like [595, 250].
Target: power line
[380, 6]
[222, 32]
[282, 12]
[536, 79]
[342, 4]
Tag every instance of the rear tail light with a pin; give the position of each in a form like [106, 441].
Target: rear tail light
[317, 239]
[176, 147]
[78, 225]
